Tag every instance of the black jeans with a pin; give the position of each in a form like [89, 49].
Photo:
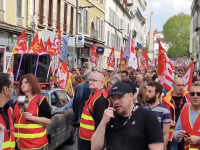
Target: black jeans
[84, 144]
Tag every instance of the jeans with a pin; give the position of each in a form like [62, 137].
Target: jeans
[84, 144]
[174, 145]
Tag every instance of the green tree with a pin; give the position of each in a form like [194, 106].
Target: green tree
[177, 32]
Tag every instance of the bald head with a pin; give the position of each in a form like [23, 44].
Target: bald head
[97, 76]
[96, 81]
[178, 86]
[117, 75]
[178, 80]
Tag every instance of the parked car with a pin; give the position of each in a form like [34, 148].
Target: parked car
[61, 130]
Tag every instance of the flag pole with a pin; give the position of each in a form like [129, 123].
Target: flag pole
[36, 67]
[48, 71]
[19, 67]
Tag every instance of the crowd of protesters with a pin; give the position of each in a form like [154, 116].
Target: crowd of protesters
[116, 110]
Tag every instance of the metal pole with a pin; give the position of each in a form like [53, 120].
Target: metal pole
[77, 11]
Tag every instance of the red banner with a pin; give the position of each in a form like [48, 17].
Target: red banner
[20, 46]
[94, 57]
[111, 59]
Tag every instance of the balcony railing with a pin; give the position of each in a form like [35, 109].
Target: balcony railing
[71, 30]
[65, 27]
[41, 19]
[94, 34]
[50, 22]
[2, 18]
[20, 21]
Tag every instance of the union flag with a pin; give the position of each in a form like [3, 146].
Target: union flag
[165, 69]
[21, 45]
[56, 46]
[94, 57]
[111, 59]
[122, 60]
[35, 46]
[63, 77]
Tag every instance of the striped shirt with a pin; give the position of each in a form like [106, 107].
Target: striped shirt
[161, 112]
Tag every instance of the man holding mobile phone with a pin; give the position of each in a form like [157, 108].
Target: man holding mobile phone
[127, 126]
[188, 125]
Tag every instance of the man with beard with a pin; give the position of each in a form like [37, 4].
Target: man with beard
[126, 126]
[154, 91]
[174, 101]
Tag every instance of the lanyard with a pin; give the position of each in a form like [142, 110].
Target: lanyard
[181, 103]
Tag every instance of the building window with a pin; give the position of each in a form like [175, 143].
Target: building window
[1, 4]
[65, 18]
[72, 20]
[19, 8]
[80, 21]
[101, 30]
[101, 2]
[98, 27]
[50, 15]
[85, 21]
[41, 11]
[58, 14]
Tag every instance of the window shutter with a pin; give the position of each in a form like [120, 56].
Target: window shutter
[86, 21]
[102, 29]
[1, 4]
[109, 14]
[108, 39]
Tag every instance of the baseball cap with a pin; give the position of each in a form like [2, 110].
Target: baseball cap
[110, 69]
[120, 88]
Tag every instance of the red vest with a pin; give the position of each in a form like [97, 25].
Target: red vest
[166, 101]
[9, 141]
[87, 124]
[186, 126]
[28, 134]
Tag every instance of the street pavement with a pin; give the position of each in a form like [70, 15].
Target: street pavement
[68, 147]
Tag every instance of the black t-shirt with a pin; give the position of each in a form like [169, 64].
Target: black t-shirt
[178, 109]
[132, 85]
[99, 106]
[141, 130]
[4, 114]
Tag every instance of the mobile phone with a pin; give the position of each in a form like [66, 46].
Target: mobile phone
[187, 134]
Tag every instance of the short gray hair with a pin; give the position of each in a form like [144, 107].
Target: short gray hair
[114, 79]
[87, 76]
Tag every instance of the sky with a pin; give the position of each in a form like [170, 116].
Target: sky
[164, 9]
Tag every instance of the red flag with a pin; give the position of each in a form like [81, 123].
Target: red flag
[35, 46]
[188, 76]
[111, 59]
[20, 46]
[144, 60]
[63, 76]
[122, 60]
[56, 46]
[165, 69]
[42, 49]
[94, 57]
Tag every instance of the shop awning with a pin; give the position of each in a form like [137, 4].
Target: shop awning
[88, 45]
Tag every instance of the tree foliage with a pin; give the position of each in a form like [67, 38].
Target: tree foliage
[177, 33]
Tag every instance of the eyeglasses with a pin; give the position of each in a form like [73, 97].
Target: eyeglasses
[193, 93]
[93, 80]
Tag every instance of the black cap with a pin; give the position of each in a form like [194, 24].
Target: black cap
[120, 88]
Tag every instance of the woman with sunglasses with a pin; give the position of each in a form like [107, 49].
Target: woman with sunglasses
[30, 124]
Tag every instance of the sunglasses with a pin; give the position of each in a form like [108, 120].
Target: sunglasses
[193, 93]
